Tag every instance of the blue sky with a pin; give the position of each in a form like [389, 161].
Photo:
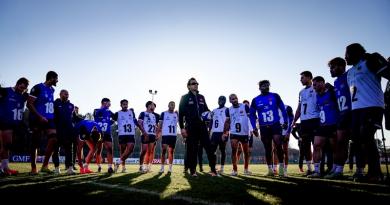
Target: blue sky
[121, 49]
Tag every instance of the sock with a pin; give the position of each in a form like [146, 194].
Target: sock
[281, 164]
[170, 166]
[317, 167]
[99, 166]
[308, 165]
[4, 164]
[109, 165]
[222, 166]
[333, 168]
[359, 170]
[339, 169]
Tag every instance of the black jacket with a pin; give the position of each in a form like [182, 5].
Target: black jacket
[63, 112]
[191, 108]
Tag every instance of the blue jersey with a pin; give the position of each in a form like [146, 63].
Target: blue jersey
[342, 93]
[103, 117]
[11, 106]
[328, 108]
[267, 107]
[88, 126]
[44, 100]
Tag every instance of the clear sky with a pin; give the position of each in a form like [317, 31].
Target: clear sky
[121, 49]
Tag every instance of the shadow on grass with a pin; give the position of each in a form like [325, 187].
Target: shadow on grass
[255, 189]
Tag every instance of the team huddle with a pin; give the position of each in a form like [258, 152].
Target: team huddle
[330, 116]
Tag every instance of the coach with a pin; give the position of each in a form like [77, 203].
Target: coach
[193, 128]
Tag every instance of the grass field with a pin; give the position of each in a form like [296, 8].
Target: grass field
[180, 188]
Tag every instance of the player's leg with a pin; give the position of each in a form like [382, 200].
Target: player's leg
[245, 149]
[234, 145]
[164, 148]
[6, 144]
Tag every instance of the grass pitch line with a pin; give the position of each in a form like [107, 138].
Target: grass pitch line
[153, 193]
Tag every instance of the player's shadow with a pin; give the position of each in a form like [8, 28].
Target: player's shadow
[257, 189]
[220, 190]
[157, 183]
[288, 189]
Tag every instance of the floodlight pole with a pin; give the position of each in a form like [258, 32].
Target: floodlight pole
[153, 93]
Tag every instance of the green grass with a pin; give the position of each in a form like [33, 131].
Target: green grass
[179, 188]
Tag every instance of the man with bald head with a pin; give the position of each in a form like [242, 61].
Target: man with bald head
[63, 112]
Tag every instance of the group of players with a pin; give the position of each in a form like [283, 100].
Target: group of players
[351, 109]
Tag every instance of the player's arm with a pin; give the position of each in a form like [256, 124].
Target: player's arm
[226, 126]
[115, 116]
[211, 121]
[247, 111]
[35, 91]
[112, 117]
[182, 111]
[3, 92]
[253, 117]
[294, 132]
[160, 125]
[290, 116]
[283, 110]
[141, 123]
[158, 131]
[297, 114]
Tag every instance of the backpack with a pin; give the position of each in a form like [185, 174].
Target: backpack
[377, 64]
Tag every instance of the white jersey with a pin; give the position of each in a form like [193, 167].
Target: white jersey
[365, 87]
[126, 124]
[308, 103]
[239, 120]
[149, 122]
[218, 118]
[169, 122]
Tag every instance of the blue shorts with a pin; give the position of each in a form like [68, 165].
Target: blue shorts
[268, 131]
[326, 131]
[35, 124]
[169, 140]
[344, 121]
[124, 139]
[152, 139]
[94, 138]
[10, 126]
[240, 138]
[107, 137]
[216, 138]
